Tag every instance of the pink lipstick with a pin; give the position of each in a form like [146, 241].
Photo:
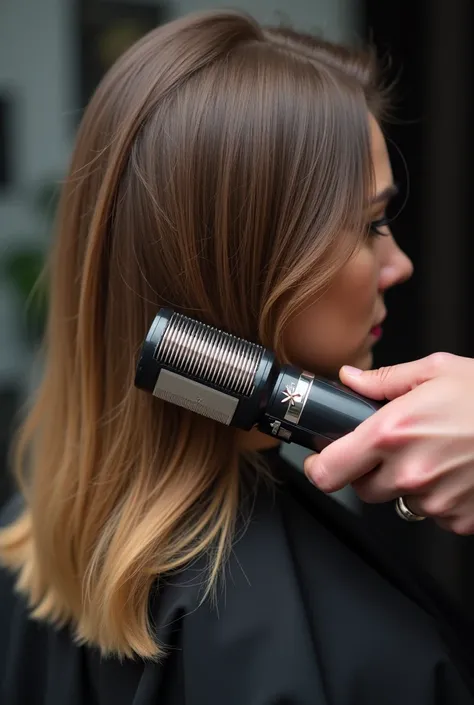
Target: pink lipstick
[377, 331]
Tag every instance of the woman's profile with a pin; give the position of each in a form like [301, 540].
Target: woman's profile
[240, 176]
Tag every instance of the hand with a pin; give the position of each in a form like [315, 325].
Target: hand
[420, 446]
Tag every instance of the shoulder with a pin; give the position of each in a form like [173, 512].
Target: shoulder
[10, 602]
[20, 638]
[308, 595]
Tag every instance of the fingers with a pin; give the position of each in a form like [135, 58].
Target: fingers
[344, 461]
[460, 522]
[392, 382]
[447, 500]
[408, 473]
[450, 502]
[462, 525]
[382, 438]
[352, 456]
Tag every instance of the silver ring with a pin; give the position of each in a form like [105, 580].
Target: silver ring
[404, 512]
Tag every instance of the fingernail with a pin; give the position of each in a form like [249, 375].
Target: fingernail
[309, 470]
[352, 371]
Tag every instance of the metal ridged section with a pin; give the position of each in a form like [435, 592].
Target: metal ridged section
[209, 355]
[208, 411]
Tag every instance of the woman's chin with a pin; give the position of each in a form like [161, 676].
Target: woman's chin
[363, 359]
[365, 362]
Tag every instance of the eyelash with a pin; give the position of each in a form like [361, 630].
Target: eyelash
[376, 224]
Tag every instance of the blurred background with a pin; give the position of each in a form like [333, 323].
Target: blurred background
[53, 53]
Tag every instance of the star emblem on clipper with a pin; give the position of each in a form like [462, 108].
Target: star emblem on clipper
[290, 396]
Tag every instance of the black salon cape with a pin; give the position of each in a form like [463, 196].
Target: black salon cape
[314, 612]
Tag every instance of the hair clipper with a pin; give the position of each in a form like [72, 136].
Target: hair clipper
[240, 383]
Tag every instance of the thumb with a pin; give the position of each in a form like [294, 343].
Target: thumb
[392, 382]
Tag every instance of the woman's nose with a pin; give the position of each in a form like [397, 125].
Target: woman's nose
[396, 266]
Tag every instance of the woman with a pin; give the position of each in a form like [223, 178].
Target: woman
[240, 176]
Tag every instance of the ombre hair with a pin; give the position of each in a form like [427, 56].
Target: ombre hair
[220, 169]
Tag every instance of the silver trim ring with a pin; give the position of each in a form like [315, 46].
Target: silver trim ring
[296, 396]
[405, 513]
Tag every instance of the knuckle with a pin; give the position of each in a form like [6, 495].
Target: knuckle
[405, 484]
[391, 430]
[386, 431]
[412, 477]
[383, 373]
[440, 361]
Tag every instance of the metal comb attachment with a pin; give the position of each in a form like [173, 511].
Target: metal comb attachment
[209, 355]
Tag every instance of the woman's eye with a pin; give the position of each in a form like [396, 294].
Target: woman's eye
[375, 226]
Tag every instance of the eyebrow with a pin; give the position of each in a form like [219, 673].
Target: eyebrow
[385, 195]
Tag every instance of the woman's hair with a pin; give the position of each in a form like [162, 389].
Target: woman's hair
[220, 169]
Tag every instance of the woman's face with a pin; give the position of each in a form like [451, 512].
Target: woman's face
[343, 325]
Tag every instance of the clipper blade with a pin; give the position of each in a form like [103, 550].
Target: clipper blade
[209, 355]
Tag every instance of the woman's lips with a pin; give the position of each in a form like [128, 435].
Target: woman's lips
[377, 331]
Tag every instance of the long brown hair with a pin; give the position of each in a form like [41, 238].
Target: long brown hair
[220, 169]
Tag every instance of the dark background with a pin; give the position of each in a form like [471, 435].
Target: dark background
[431, 44]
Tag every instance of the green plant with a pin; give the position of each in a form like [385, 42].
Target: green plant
[22, 265]
[23, 268]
